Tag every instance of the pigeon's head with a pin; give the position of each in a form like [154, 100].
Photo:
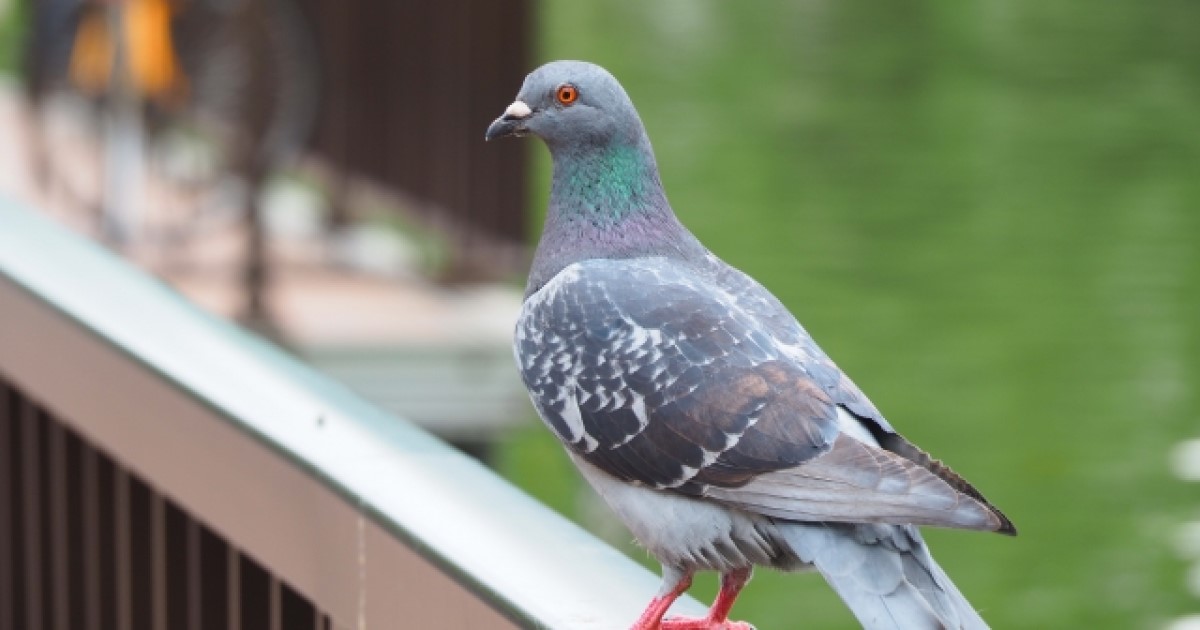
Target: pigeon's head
[571, 104]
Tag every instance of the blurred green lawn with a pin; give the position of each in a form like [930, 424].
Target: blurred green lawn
[989, 215]
[10, 20]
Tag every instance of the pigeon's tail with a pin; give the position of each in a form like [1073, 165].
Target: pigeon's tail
[885, 575]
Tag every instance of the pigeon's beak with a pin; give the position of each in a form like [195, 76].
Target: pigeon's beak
[512, 123]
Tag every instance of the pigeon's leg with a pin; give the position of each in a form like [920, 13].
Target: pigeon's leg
[731, 586]
[718, 616]
[674, 583]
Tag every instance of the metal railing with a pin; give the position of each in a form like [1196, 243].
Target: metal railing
[161, 469]
[86, 544]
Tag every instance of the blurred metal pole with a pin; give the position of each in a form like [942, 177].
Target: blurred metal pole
[123, 142]
[255, 116]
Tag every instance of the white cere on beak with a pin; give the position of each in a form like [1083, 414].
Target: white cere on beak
[518, 110]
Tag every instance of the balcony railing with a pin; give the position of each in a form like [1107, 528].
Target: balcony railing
[161, 469]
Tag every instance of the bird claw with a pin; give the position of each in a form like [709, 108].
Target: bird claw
[692, 623]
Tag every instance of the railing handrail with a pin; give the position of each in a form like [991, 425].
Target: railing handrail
[537, 568]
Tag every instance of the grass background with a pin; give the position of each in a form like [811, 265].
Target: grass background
[11, 14]
[989, 214]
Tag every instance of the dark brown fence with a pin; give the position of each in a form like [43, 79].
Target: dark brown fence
[91, 546]
[408, 89]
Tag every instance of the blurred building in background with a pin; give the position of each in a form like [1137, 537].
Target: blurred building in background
[312, 168]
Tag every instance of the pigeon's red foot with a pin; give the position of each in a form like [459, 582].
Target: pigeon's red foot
[675, 583]
[706, 623]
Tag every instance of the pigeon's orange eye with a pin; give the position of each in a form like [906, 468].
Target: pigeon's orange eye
[566, 94]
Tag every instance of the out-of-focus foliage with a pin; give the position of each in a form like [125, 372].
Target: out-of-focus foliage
[989, 214]
[11, 12]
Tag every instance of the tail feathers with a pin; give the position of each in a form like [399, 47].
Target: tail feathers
[884, 574]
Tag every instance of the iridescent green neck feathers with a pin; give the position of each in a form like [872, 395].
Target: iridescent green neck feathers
[605, 184]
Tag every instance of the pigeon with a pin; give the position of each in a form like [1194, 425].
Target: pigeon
[694, 402]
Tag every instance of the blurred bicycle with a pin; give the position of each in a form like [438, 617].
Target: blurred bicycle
[206, 97]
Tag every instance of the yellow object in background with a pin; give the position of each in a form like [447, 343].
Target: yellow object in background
[91, 54]
[153, 65]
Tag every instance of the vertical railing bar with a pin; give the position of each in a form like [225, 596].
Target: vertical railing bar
[158, 559]
[90, 470]
[32, 513]
[6, 512]
[195, 606]
[123, 545]
[275, 605]
[60, 547]
[234, 586]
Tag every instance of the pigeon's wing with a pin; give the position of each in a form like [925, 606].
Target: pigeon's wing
[853, 405]
[651, 375]
[856, 482]
[655, 374]
[756, 300]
